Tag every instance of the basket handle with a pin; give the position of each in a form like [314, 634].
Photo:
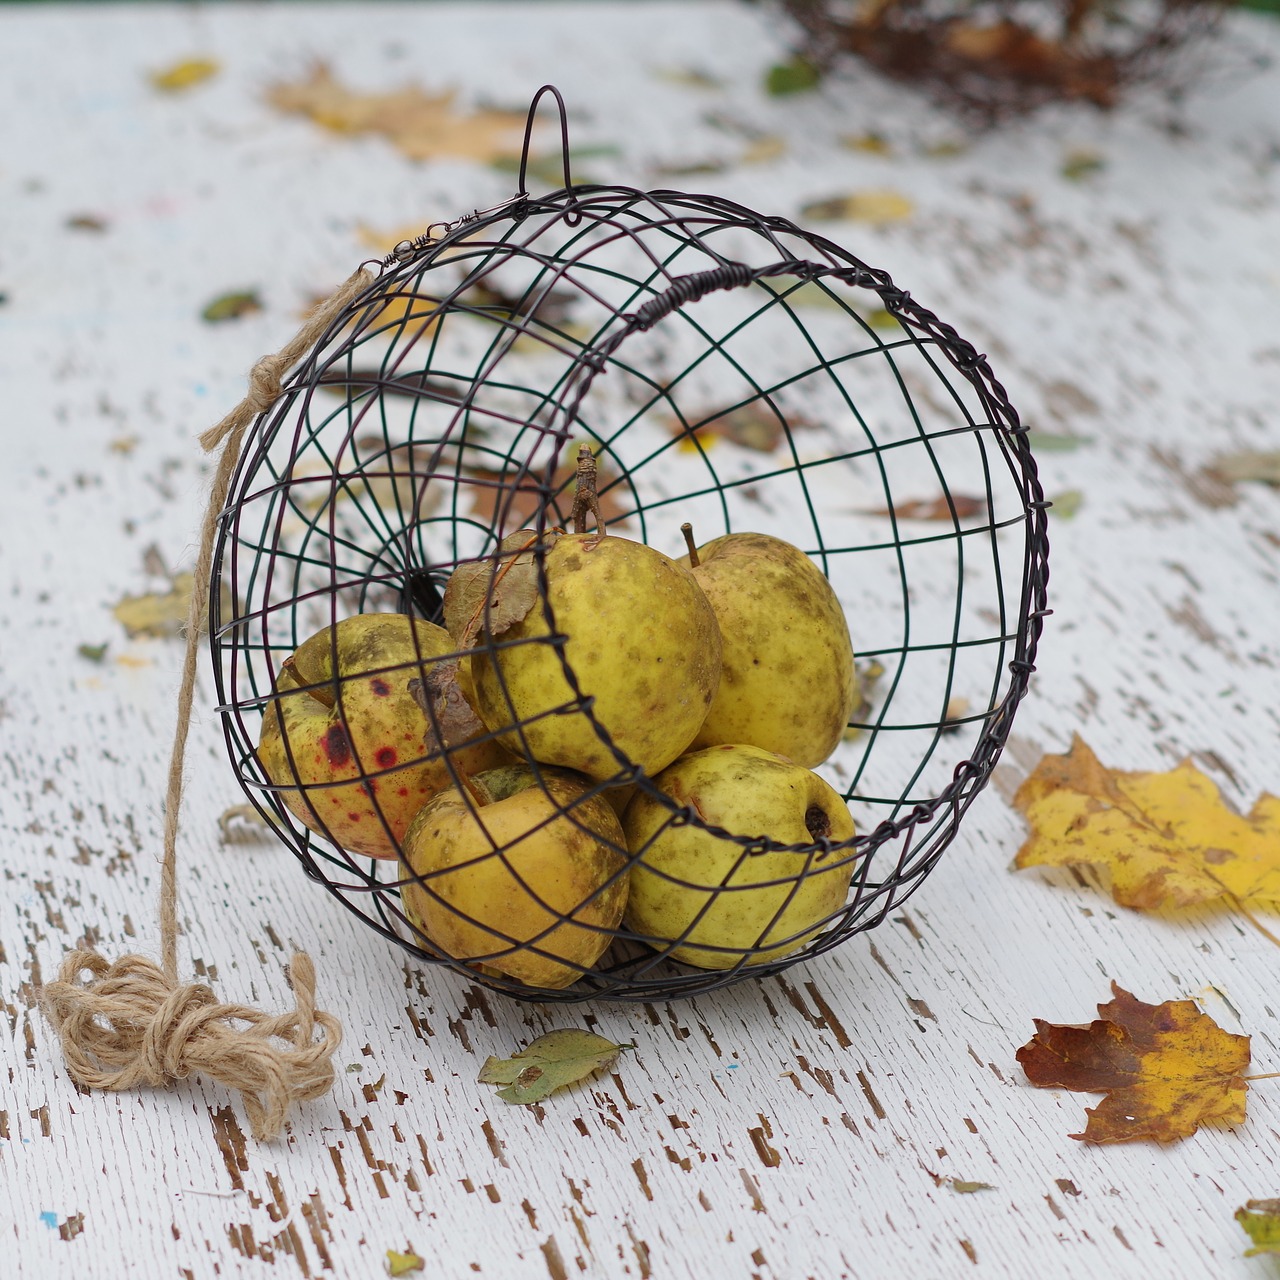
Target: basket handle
[573, 217]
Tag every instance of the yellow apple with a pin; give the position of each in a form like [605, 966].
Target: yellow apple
[787, 683]
[642, 642]
[324, 728]
[523, 874]
[719, 904]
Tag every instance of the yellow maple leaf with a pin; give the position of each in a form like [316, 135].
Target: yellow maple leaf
[1167, 839]
[876, 207]
[423, 126]
[185, 74]
[1166, 1069]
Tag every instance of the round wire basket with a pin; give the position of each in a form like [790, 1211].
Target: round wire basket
[724, 369]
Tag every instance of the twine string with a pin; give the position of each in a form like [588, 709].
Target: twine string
[132, 1023]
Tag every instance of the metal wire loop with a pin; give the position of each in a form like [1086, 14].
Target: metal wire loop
[572, 218]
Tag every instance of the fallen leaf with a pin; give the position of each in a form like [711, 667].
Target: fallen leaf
[944, 148]
[1055, 441]
[1167, 839]
[400, 1264]
[763, 150]
[417, 385]
[451, 721]
[491, 490]
[797, 75]
[753, 426]
[953, 716]
[1248, 464]
[881, 318]
[86, 222]
[938, 508]
[548, 168]
[92, 652]
[163, 613]
[185, 74]
[1165, 1069]
[872, 143]
[876, 207]
[488, 597]
[1067, 504]
[157, 613]
[422, 126]
[963, 1188]
[1261, 1222]
[551, 1062]
[231, 306]
[688, 77]
[1080, 164]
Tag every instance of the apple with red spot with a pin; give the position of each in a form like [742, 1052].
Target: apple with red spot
[342, 736]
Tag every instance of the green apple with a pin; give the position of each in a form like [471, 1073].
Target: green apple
[642, 642]
[325, 728]
[718, 903]
[787, 682]
[523, 874]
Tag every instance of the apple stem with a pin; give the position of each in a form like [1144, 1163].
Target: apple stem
[585, 498]
[687, 530]
[322, 693]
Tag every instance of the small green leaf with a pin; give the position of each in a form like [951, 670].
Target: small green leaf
[551, 1062]
[1261, 1222]
[1080, 164]
[93, 652]
[231, 306]
[400, 1264]
[795, 76]
[1067, 503]
[963, 1188]
[1056, 442]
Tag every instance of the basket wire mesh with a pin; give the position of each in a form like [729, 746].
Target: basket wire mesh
[725, 368]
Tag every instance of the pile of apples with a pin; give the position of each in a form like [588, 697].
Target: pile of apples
[526, 846]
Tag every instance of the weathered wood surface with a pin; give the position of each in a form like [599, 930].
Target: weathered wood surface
[802, 1126]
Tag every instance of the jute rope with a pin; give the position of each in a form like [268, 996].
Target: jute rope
[133, 1023]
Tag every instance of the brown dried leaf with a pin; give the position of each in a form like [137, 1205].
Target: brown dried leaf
[753, 426]
[1248, 464]
[938, 508]
[423, 126]
[451, 721]
[487, 597]
[1165, 1069]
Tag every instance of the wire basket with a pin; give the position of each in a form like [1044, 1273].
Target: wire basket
[726, 369]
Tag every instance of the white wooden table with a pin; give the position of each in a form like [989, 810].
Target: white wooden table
[805, 1125]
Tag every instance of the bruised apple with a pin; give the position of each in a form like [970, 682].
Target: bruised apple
[328, 726]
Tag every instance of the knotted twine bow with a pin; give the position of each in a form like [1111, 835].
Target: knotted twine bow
[132, 1023]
